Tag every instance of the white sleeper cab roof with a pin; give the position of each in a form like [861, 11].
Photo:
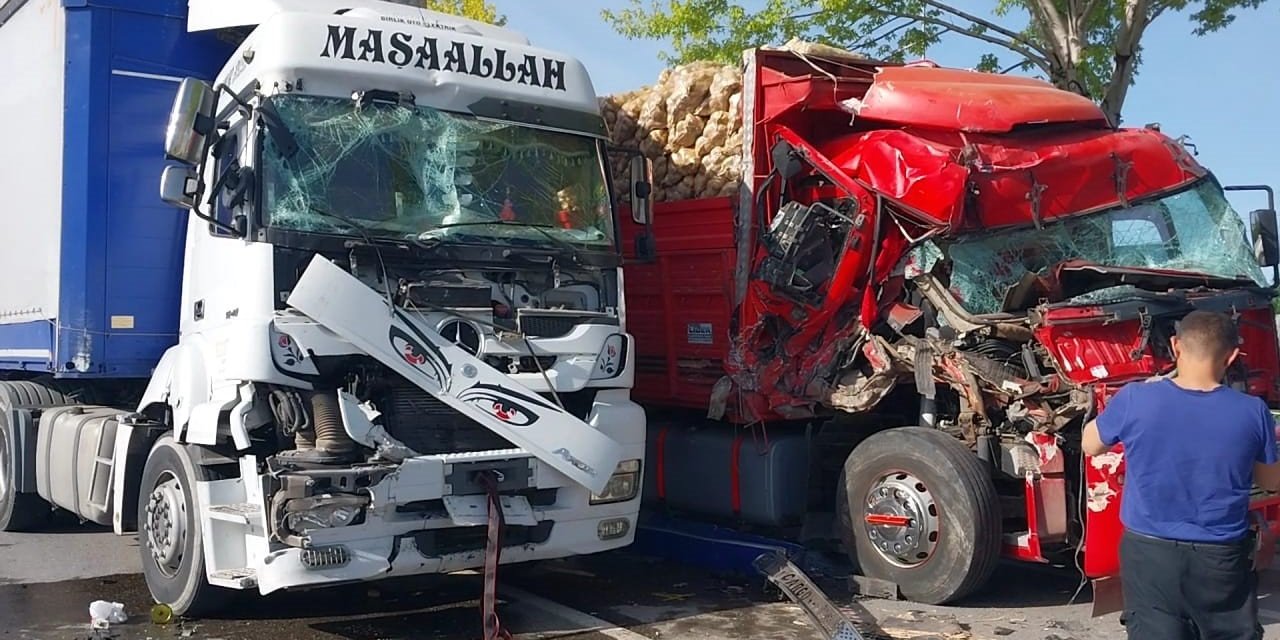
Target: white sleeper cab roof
[338, 55]
[210, 15]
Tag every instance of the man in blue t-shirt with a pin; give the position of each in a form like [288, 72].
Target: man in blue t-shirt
[1193, 450]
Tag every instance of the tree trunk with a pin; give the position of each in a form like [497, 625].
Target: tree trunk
[1067, 78]
[1136, 19]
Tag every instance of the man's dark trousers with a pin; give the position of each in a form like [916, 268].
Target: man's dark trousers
[1188, 590]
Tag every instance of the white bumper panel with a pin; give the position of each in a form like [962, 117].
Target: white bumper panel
[388, 543]
[374, 560]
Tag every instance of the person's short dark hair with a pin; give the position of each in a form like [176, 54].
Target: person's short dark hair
[1208, 333]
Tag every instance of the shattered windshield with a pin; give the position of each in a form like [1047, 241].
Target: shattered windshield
[399, 172]
[1194, 230]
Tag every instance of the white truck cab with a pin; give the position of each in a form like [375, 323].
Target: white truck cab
[401, 292]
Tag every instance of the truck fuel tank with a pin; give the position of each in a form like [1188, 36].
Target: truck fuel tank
[725, 471]
[76, 449]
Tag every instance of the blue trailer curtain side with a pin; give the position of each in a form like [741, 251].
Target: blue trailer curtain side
[117, 270]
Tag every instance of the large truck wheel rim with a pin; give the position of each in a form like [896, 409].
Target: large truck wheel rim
[166, 523]
[901, 519]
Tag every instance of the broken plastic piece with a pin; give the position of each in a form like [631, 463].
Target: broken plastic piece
[785, 575]
[103, 614]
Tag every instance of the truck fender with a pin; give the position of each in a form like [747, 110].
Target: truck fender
[179, 382]
[134, 439]
[133, 443]
[244, 413]
[203, 423]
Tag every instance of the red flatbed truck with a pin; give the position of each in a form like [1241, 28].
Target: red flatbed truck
[889, 341]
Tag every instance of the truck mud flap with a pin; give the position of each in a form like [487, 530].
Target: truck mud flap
[357, 313]
[785, 575]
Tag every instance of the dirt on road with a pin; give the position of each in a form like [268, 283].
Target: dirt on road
[618, 596]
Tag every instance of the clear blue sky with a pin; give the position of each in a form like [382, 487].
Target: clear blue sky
[1223, 90]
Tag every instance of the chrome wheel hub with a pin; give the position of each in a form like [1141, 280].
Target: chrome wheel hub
[901, 519]
[165, 524]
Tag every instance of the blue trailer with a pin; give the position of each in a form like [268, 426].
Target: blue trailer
[94, 275]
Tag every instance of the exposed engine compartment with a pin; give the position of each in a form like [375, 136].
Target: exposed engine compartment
[469, 280]
[426, 385]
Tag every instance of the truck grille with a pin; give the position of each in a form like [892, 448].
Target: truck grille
[434, 543]
[429, 426]
[547, 326]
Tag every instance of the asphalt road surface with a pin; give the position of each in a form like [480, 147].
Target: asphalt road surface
[47, 581]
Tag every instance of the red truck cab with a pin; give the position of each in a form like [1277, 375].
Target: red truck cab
[931, 279]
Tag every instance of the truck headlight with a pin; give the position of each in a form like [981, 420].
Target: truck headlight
[613, 356]
[325, 516]
[623, 485]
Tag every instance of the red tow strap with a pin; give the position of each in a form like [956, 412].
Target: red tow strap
[660, 464]
[492, 555]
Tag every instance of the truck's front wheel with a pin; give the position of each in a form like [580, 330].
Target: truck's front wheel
[919, 509]
[169, 535]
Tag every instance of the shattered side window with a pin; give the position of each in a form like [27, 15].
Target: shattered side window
[1195, 231]
[399, 172]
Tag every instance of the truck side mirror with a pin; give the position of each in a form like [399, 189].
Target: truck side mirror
[641, 190]
[1266, 237]
[190, 121]
[178, 186]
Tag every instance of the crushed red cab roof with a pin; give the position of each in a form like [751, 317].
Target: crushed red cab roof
[959, 100]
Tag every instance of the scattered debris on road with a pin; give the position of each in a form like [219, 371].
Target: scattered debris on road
[796, 585]
[103, 614]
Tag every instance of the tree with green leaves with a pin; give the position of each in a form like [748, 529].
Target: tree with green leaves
[481, 10]
[1091, 47]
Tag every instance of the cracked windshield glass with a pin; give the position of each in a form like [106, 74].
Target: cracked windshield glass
[419, 173]
[1194, 231]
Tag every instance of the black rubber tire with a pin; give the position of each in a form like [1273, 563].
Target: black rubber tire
[969, 532]
[18, 511]
[29, 394]
[23, 511]
[188, 591]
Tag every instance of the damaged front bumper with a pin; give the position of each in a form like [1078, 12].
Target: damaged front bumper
[423, 514]
[426, 517]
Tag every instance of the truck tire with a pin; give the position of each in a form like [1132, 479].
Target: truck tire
[32, 394]
[18, 511]
[918, 508]
[169, 537]
[22, 511]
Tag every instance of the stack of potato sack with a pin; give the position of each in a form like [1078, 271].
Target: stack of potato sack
[690, 124]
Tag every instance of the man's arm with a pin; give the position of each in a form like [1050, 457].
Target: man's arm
[1109, 428]
[1267, 476]
[1091, 441]
[1266, 467]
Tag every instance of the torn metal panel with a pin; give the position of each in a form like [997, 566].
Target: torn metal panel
[1099, 496]
[972, 182]
[358, 420]
[857, 392]
[1107, 462]
[1103, 486]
